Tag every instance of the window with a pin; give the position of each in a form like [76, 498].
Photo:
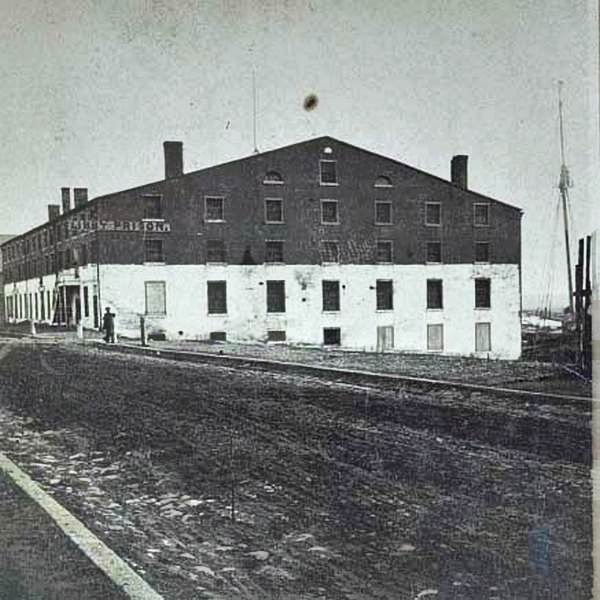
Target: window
[273, 177]
[481, 215]
[152, 207]
[156, 301]
[483, 293]
[275, 296]
[385, 294]
[86, 302]
[217, 336]
[332, 336]
[214, 209]
[435, 337]
[435, 298]
[433, 213]
[331, 295]
[482, 252]
[215, 251]
[276, 335]
[329, 211]
[483, 337]
[274, 252]
[273, 210]
[217, 297]
[153, 251]
[383, 212]
[330, 252]
[434, 252]
[384, 251]
[328, 172]
[383, 181]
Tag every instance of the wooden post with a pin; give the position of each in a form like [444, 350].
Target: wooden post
[143, 338]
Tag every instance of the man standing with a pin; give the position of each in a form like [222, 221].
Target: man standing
[108, 326]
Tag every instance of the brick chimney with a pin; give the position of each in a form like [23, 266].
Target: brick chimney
[458, 171]
[53, 212]
[66, 199]
[80, 196]
[173, 159]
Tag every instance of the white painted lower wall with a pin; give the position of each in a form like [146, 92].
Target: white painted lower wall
[123, 289]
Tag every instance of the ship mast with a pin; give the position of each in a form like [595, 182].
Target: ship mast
[563, 186]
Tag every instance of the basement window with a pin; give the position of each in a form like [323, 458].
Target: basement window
[483, 337]
[217, 297]
[156, 298]
[332, 336]
[276, 335]
[435, 337]
[218, 336]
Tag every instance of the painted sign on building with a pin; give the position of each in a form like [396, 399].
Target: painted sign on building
[146, 225]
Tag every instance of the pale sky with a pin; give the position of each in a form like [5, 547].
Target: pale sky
[91, 89]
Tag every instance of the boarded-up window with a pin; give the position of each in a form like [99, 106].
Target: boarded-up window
[483, 337]
[276, 335]
[331, 295]
[217, 297]
[435, 293]
[384, 251]
[434, 252]
[328, 171]
[483, 293]
[385, 294]
[156, 300]
[152, 207]
[332, 336]
[433, 213]
[276, 296]
[215, 251]
[482, 252]
[383, 212]
[274, 252]
[330, 252]
[274, 210]
[435, 337]
[153, 251]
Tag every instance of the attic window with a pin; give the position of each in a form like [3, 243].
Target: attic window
[327, 150]
[383, 181]
[273, 177]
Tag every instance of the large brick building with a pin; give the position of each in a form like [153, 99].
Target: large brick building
[319, 242]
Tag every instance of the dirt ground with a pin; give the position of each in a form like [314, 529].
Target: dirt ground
[338, 492]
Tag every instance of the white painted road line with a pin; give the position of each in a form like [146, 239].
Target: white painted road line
[122, 575]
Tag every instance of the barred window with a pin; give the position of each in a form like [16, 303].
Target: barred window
[331, 295]
[329, 212]
[153, 251]
[384, 251]
[274, 252]
[483, 288]
[217, 297]
[383, 212]
[274, 210]
[214, 209]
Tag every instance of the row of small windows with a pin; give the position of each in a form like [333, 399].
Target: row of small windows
[332, 336]
[214, 211]
[327, 176]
